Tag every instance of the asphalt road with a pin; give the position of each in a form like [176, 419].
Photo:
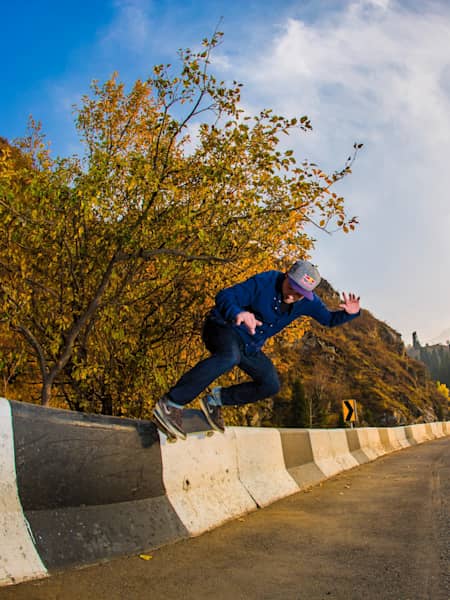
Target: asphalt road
[378, 532]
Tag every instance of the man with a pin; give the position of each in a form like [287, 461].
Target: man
[244, 317]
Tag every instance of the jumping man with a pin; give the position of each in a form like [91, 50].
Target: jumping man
[244, 317]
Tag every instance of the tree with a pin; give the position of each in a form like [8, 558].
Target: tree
[300, 406]
[12, 363]
[441, 407]
[106, 259]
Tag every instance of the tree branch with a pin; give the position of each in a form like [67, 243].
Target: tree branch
[81, 322]
[149, 254]
[32, 340]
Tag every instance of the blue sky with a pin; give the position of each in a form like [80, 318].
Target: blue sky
[371, 71]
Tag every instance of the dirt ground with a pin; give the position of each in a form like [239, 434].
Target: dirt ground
[377, 532]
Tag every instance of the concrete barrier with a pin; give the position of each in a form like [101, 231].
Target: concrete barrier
[202, 481]
[330, 451]
[365, 444]
[261, 465]
[389, 439]
[90, 487]
[430, 432]
[355, 445]
[417, 434]
[400, 434]
[19, 559]
[298, 457]
[78, 489]
[437, 429]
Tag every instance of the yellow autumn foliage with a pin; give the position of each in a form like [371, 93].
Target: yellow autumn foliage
[109, 260]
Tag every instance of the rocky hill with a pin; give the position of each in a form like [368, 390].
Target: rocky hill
[435, 356]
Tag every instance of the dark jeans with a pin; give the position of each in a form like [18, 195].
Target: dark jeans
[227, 351]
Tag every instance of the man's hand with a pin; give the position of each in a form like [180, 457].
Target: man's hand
[350, 304]
[249, 320]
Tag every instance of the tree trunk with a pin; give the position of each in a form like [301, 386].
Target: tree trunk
[46, 391]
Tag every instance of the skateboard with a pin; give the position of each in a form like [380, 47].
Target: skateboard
[194, 422]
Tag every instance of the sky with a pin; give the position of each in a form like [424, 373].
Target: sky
[375, 72]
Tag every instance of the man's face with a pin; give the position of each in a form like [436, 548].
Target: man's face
[290, 294]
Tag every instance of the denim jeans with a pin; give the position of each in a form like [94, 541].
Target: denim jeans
[227, 351]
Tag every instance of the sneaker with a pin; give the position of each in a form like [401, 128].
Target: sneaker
[170, 417]
[213, 413]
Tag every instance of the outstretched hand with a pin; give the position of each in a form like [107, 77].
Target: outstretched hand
[249, 320]
[350, 304]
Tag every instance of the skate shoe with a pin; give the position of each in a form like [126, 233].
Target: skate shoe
[170, 417]
[212, 411]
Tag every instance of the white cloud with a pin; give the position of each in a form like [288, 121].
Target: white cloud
[131, 27]
[384, 4]
[371, 71]
[378, 73]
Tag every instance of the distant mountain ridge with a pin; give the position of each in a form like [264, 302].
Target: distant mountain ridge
[435, 356]
[442, 338]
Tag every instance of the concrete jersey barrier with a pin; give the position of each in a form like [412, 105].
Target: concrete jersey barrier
[78, 489]
[438, 429]
[417, 434]
[261, 464]
[90, 487]
[331, 451]
[201, 478]
[365, 444]
[299, 458]
[19, 558]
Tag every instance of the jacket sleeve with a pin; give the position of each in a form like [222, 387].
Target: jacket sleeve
[237, 298]
[330, 318]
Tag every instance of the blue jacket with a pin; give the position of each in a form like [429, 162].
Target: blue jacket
[262, 295]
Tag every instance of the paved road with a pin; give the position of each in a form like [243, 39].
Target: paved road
[378, 532]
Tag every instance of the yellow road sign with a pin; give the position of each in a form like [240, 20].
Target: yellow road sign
[349, 410]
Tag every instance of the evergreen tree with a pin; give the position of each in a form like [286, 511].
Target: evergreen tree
[300, 409]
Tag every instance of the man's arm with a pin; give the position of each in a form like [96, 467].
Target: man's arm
[233, 302]
[331, 318]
